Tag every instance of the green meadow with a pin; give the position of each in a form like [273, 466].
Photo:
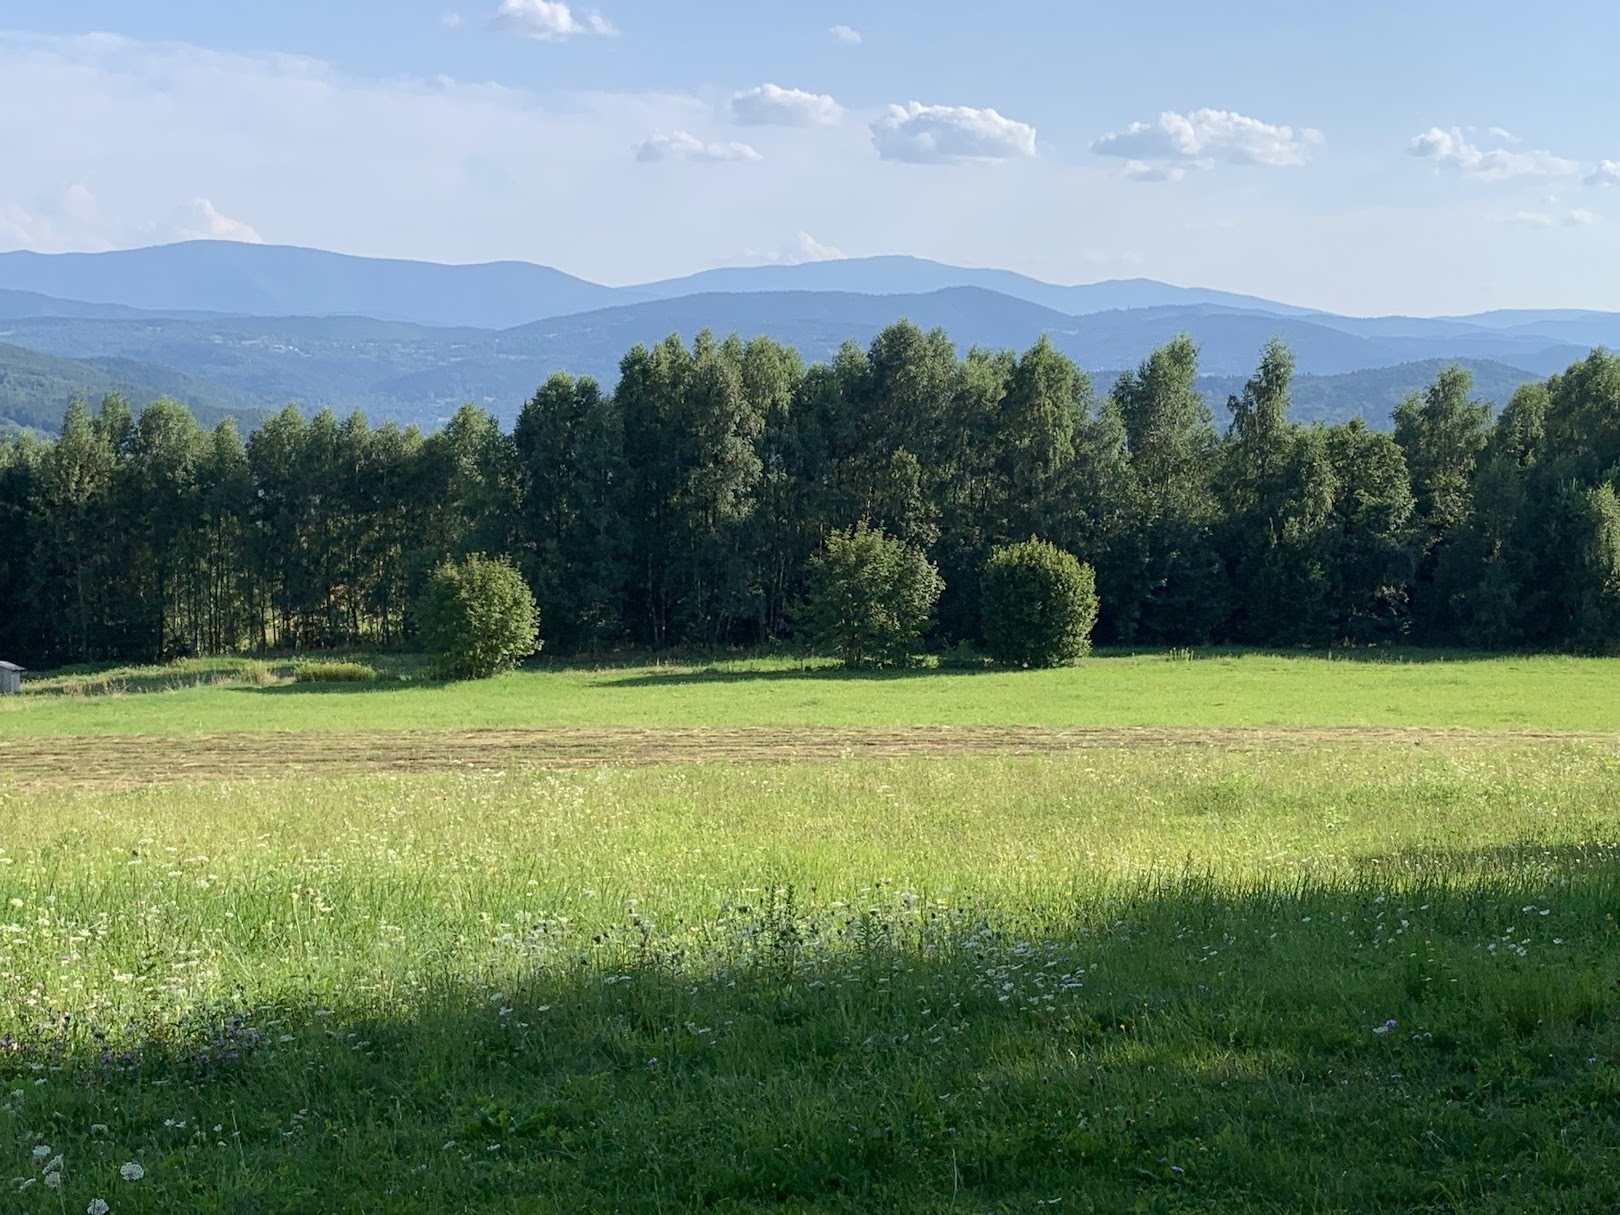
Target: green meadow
[1217, 688]
[1349, 975]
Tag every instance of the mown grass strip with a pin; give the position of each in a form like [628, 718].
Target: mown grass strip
[124, 761]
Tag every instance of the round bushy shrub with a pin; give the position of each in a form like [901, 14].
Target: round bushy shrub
[1039, 606]
[870, 597]
[477, 618]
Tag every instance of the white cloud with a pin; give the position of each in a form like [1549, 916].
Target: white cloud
[22, 229]
[206, 223]
[54, 223]
[80, 205]
[1505, 135]
[772, 105]
[848, 35]
[546, 20]
[942, 134]
[1607, 173]
[1452, 149]
[400, 166]
[682, 145]
[801, 249]
[306, 154]
[1544, 219]
[809, 249]
[1141, 170]
[451, 21]
[1163, 150]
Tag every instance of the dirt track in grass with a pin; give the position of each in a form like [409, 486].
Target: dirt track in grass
[133, 760]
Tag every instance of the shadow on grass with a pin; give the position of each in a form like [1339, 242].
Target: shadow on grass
[1182, 1048]
[634, 668]
[684, 674]
[334, 687]
[619, 677]
[678, 678]
[1390, 655]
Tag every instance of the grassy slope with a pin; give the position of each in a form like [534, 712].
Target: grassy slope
[1235, 690]
[1145, 981]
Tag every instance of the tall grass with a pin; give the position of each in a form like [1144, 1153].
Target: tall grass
[1343, 980]
[310, 671]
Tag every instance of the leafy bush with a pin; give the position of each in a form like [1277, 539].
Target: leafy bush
[1039, 607]
[870, 597]
[477, 618]
[334, 672]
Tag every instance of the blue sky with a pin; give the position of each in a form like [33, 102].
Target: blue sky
[1377, 157]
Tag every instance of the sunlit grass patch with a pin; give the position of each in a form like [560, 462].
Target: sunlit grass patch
[1207, 689]
[1143, 979]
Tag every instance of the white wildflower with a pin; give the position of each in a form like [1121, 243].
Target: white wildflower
[132, 1172]
[97, 1206]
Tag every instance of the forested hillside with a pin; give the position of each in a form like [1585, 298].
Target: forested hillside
[416, 374]
[1372, 395]
[36, 388]
[685, 506]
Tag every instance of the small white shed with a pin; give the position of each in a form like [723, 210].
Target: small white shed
[10, 678]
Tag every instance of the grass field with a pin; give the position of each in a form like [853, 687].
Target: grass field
[1400, 688]
[1163, 971]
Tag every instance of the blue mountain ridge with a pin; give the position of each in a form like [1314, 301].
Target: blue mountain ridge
[411, 340]
[273, 280]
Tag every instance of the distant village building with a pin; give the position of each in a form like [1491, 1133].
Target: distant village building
[10, 678]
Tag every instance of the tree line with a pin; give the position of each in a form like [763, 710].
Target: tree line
[685, 507]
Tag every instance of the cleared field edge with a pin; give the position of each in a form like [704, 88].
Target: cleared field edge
[115, 761]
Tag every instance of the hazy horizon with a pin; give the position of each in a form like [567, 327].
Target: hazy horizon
[1370, 162]
[743, 266]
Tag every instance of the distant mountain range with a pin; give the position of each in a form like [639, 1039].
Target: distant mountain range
[271, 280]
[244, 328]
